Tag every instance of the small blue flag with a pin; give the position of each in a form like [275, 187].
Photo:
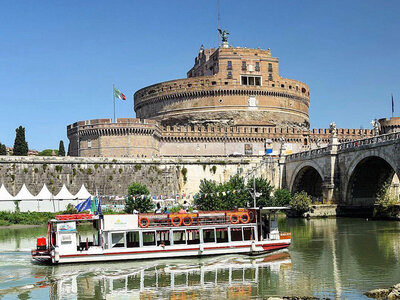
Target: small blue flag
[98, 209]
[84, 205]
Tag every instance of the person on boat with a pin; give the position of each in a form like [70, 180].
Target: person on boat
[185, 206]
[165, 211]
[158, 210]
[182, 211]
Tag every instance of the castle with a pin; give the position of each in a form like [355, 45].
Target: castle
[233, 102]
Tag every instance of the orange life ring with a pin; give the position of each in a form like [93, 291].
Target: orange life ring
[146, 224]
[234, 221]
[190, 222]
[247, 220]
[173, 219]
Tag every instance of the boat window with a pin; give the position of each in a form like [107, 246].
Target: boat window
[222, 235]
[236, 234]
[179, 237]
[209, 235]
[149, 238]
[132, 239]
[117, 239]
[193, 236]
[163, 237]
[248, 233]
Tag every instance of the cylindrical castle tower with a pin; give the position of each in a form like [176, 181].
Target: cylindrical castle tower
[232, 86]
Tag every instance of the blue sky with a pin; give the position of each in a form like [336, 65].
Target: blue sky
[59, 59]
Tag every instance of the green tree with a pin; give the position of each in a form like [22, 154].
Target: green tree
[138, 198]
[20, 144]
[3, 149]
[61, 149]
[282, 197]
[301, 202]
[264, 187]
[207, 198]
[47, 152]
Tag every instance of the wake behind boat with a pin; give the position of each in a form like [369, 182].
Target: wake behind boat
[152, 236]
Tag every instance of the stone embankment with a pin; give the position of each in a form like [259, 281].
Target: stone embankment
[391, 293]
[165, 176]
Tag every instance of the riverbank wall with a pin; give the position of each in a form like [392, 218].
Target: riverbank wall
[165, 176]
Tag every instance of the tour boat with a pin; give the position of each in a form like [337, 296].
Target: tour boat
[152, 236]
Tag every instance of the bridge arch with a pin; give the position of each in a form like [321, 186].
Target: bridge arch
[308, 177]
[367, 174]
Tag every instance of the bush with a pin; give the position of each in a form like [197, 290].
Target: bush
[301, 202]
[387, 196]
[282, 197]
[138, 198]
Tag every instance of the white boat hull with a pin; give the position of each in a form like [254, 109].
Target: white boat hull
[156, 252]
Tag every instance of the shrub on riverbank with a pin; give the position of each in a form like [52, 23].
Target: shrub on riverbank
[300, 203]
[25, 218]
[387, 203]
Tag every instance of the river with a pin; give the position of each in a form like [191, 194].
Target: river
[335, 258]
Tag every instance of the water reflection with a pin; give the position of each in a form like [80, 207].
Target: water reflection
[223, 277]
[335, 258]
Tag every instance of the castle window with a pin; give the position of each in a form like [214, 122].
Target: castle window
[89, 144]
[244, 67]
[251, 80]
[270, 77]
[229, 75]
[229, 67]
[269, 67]
[282, 85]
[220, 100]
[303, 90]
[213, 82]
[257, 66]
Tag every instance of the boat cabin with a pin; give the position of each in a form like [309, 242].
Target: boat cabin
[157, 233]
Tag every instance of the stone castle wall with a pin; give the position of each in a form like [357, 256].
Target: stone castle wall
[214, 92]
[107, 176]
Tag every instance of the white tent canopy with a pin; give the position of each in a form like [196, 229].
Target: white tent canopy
[83, 193]
[45, 200]
[4, 194]
[44, 194]
[26, 201]
[24, 194]
[6, 200]
[64, 194]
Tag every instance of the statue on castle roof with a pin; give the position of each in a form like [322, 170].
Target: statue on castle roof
[376, 126]
[333, 128]
[224, 34]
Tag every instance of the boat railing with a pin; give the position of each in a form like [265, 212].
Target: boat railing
[196, 219]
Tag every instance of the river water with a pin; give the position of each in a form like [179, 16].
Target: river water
[335, 258]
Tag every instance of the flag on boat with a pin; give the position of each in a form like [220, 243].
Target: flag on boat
[84, 205]
[118, 94]
[98, 208]
[93, 205]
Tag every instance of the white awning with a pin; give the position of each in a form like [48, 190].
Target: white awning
[4, 194]
[64, 194]
[44, 194]
[24, 194]
[83, 193]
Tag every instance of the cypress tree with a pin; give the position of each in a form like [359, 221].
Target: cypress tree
[20, 144]
[3, 149]
[61, 149]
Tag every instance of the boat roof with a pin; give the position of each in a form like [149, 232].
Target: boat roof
[273, 208]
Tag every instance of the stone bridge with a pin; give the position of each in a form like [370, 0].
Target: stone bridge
[350, 173]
